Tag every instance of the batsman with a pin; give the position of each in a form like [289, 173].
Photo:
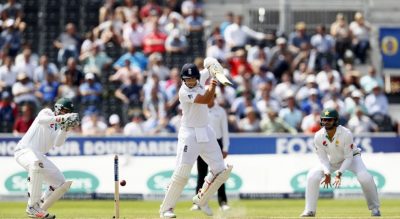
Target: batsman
[196, 137]
[49, 129]
[337, 153]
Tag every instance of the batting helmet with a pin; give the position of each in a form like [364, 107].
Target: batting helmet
[329, 113]
[63, 104]
[190, 70]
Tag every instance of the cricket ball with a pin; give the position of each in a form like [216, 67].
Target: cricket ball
[122, 182]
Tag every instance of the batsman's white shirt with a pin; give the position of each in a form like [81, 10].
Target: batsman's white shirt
[42, 135]
[195, 136]
[332, 153]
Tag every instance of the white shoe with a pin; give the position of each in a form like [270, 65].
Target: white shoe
[308, 214]
[168, 214]
[225, 207]
[206, 210]
[195, 208]
[36, 212]
[375, 212]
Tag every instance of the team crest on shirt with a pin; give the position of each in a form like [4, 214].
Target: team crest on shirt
[53, 126]
[324, 143]
[337, 142]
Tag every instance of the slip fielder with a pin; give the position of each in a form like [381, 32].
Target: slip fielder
[336, 151]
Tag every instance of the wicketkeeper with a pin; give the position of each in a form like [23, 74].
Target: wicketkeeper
[49, 129]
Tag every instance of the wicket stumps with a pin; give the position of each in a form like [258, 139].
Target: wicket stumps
[116, 188]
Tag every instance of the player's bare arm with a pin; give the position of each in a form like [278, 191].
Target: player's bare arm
[208, 95]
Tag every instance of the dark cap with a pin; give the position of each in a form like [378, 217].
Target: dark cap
[190, 70]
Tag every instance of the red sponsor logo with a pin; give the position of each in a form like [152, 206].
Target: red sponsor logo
[324, 143]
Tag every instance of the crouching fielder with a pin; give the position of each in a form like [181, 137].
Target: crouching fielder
[47, 130]
[195, 138]
[336, 152]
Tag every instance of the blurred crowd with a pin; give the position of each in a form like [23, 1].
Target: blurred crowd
[281, 81]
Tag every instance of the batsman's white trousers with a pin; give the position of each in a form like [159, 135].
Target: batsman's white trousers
[51, 174]
[189, 149]
[357, 166]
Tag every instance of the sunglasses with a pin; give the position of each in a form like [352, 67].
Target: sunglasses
[327, 119]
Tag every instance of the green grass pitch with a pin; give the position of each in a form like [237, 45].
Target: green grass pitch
[327, 208]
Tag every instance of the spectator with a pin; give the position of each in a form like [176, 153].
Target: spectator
[355, 100]
[176, 22]
[360, 29]
[313, 99]
[48, 90]
[150, 8]
[10, 39]
[360, 123]
[368, 81]
[218, 50]
[68, 44]
[262, 75]
[44, 68]
[286, 86]
[267, 102]
[251, 122]
[136, 58]
[237, 61]
[133, 34]
[304, 92]
[274, 124]
[154, 41]
[236, 34]
[93, 125]
[67, 89]
[329, 80]
[299, 36]
[281, 58]
[8, 112]
[134, 127]
[24, 90]
[157, 66]
[324, 44]
[190, 6]
[376, 102]
[72, 69]
[229, 16]
[311, 123]
[115, 126]
[341, 33]
[24, 120]
[125, 73]
[91, 91]
[195, 22]
[131, 95]
[13, 10]
[176, 43]
[259, 52]
[290, 114]
[96, 61]
[8, 74]
[26, 62]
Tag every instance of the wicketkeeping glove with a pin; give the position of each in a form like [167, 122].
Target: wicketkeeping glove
[70, 120]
